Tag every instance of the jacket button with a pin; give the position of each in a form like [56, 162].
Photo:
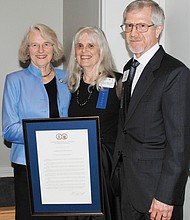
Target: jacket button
[124, 131]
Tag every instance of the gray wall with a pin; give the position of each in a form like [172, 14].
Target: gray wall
[15, 17]
[75, 15]
[177, 35]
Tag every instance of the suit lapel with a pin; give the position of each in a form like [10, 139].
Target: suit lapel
[144, 82]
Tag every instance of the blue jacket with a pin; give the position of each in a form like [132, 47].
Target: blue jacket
[25, 97]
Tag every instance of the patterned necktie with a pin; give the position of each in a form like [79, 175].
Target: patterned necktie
[128, 85]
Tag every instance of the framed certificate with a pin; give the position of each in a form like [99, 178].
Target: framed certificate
[64, 166]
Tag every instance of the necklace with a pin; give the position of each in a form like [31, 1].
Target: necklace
[47, 73]
[90, 91]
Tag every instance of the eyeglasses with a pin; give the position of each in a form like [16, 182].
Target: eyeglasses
[140, 27]
[45, 46]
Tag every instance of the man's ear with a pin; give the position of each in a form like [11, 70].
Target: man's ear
[159, 30]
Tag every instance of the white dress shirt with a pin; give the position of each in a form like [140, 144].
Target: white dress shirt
[143, 60]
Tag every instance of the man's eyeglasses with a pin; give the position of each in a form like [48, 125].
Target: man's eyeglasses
[140, 27]
[46, 45]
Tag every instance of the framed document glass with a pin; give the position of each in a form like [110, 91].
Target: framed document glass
[64, 166]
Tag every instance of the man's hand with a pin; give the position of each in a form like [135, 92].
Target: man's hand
[160, 211]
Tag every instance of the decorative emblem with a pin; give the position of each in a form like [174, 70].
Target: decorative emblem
[62, 136]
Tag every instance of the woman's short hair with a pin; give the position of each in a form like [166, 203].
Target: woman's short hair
[47, 33]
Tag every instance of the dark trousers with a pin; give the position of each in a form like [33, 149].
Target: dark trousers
[128, 210]
[22, 200]
[131, 213]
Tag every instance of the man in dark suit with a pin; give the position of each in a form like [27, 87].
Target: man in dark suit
[152, 152]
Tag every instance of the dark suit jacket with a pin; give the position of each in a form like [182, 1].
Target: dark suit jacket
[155, 138]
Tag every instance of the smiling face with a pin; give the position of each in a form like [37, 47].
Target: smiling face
[138, 42]
[87, 53]
[40, 50]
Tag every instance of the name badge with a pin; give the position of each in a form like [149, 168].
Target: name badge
[108, 83]
[102, 98]
[125, 76]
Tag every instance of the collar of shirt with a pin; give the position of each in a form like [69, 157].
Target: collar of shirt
[143, 60]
